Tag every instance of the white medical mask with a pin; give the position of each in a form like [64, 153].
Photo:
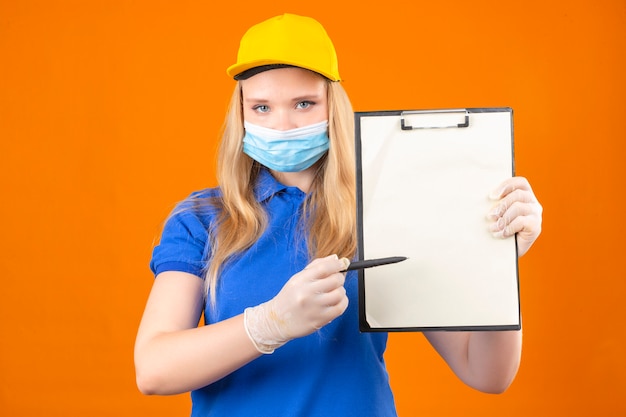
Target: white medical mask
[286, 150]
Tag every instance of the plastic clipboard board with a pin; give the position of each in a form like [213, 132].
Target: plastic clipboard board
[423, 183]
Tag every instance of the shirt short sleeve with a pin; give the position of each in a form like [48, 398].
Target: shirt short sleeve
[183, 244]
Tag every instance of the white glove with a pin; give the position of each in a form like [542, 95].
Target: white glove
[310, 299]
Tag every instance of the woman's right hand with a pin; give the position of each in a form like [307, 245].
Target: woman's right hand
[310, 299]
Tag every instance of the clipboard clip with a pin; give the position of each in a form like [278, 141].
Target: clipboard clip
[405, 126]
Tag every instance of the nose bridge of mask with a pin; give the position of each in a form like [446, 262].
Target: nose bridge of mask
[291, 134]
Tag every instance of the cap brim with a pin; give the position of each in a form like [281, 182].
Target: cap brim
[257, 70]
[247, 70]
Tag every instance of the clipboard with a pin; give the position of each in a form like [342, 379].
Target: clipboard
[423, 184]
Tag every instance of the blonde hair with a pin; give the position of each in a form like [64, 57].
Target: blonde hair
[330, 207]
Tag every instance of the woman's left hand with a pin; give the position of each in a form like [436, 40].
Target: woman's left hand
[516, 211]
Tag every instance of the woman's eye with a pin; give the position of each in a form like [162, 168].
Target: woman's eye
[304, 104]
[261, 108]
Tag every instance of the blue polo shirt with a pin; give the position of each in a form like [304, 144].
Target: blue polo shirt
[336, 371]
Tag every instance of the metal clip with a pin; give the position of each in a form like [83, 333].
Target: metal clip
[459, 125]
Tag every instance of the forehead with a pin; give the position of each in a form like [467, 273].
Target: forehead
[283, 82]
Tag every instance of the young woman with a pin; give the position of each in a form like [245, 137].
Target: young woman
[261, 256]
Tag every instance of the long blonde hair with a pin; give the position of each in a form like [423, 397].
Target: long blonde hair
[330, 207]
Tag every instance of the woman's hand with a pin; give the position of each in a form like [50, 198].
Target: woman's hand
[517, 211]
[310, 299]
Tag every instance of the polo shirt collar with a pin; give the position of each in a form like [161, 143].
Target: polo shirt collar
[266, 186]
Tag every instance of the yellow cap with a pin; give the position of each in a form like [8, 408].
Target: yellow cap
[287, 40]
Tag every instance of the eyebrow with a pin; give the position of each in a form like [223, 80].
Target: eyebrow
[307, 97]
[294, 100]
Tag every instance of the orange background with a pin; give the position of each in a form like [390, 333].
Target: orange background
[110, 113]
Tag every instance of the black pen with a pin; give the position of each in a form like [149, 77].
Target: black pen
[368, 263]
